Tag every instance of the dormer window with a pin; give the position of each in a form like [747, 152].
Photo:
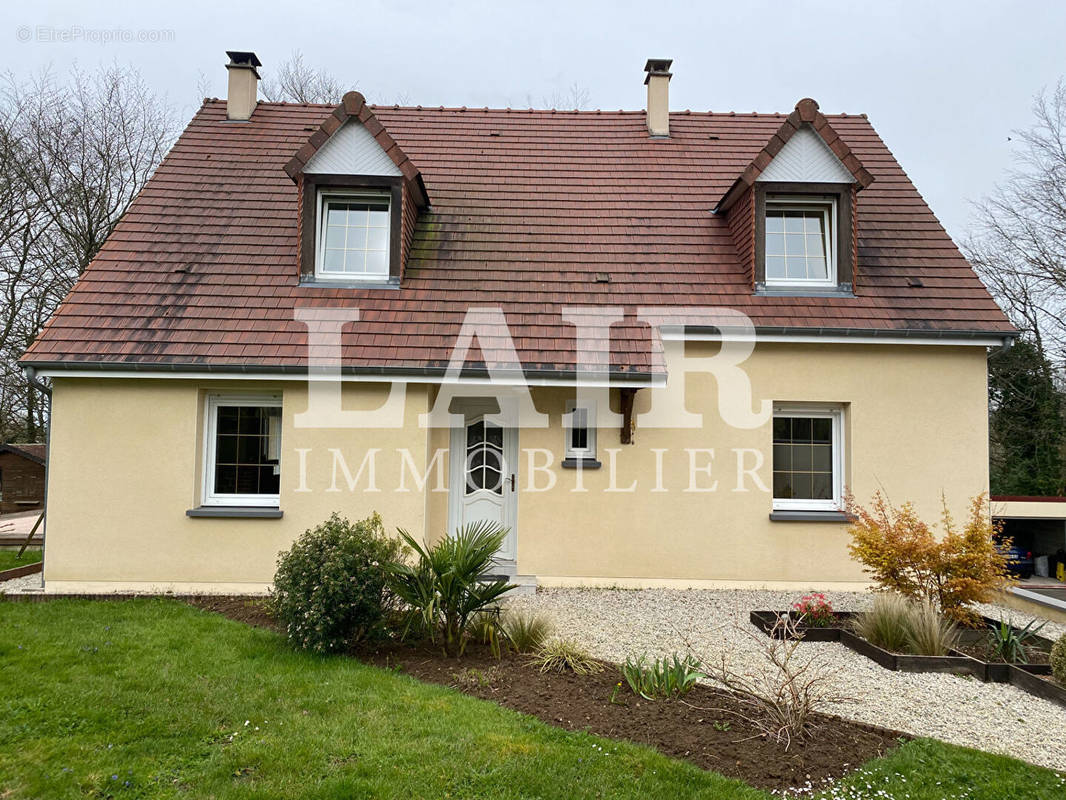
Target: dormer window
[353, 236]
[800, 245]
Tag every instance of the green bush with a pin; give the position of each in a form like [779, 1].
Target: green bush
[1009, 643]
[330, 588]
[447, 587]
[1058, 659]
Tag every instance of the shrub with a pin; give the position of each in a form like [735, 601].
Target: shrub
[524, 631]
[815, 609]
[885, 624]
[446, 587]
[485, 628]
[1058, 659]
[781, 700]
[1008, 643]
[903, 555]
[561, 655]
[663, 677]
[929, 633]
[330, 587]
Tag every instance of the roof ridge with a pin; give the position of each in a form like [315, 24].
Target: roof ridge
[529, 110]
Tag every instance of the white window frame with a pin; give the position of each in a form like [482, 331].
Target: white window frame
[324, 196]
[834, 412]
[778, 202]
[587, 453]
[211, 406]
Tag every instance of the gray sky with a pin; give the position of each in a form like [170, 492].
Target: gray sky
[943, 82]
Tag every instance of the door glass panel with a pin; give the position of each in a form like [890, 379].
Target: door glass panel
[484, 457]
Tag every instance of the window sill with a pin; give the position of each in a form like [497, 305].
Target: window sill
[843, 290]
[235, 512]
[342, 283]
[580, 463]
[809, 516]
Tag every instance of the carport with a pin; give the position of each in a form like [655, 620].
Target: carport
[1037, 525]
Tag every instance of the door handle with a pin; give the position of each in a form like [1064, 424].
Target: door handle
[512, 483]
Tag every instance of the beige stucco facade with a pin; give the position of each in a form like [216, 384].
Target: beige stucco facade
[127, 456]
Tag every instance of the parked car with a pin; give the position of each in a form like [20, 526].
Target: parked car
[1019, 561]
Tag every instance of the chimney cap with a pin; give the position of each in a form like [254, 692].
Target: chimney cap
[243, 58]
[658, 66]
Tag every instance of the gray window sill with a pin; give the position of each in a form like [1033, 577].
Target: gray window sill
[809, 516]
[329, 283]
[580, 463]
[843, 290]
[235, 512]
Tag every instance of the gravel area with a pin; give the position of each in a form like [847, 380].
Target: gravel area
[998, 718]
[19, 585]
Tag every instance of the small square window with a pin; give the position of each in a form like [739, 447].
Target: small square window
[808, 458]
[580, 424]
[353, 236]
[242, 454]
[800, 241]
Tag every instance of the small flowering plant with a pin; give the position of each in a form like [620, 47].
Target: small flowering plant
[815, 609]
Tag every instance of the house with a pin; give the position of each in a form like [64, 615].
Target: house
[657, 346]
[21, 477]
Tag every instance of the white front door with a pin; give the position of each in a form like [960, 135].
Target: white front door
[484, 478]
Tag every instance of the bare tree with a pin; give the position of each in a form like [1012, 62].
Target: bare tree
[297, 82]
[575, 98]
[1019, 247]
[72, 159]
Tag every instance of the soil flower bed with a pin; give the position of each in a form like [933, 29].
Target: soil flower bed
[706, 727]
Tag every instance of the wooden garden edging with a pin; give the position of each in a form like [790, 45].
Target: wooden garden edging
[19, 572]
[1033, 678]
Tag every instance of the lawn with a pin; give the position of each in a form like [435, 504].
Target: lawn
[8, 561]
[153, 698]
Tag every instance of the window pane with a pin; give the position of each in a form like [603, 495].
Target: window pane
[793, 222]
[822, 457]
[803, 458]
[822, 486]
[796, 267]
[782, 456]
[775, 223]
[816, 268]
[815, 244]
[334, 259]
[775, 266]
[775, 244]
[352, 228]
[377, 262]
[377, 238]
[822, 430]
[248, 451]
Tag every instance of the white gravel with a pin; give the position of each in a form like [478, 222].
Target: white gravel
[998, 718]
[20, 585]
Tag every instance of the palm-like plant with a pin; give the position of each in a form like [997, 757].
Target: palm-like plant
[447, 586]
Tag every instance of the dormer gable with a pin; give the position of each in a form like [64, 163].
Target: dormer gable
[806, 158]
[360, 196]
[352, 151]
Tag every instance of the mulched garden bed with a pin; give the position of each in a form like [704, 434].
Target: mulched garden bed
[706, 727]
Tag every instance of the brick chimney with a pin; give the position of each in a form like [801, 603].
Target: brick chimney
[243, 91]
[658, 83]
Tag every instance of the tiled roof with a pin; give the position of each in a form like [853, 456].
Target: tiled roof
[527, 208]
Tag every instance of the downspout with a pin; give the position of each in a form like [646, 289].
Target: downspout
[31, 379]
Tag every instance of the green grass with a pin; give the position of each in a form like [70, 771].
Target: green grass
[7, 558]
[153, 698]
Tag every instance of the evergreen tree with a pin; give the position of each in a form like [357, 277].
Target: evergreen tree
[1026, 425]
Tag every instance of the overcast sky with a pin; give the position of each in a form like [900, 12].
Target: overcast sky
[944, 83]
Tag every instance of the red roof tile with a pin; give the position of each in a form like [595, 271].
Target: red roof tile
[527, 208]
